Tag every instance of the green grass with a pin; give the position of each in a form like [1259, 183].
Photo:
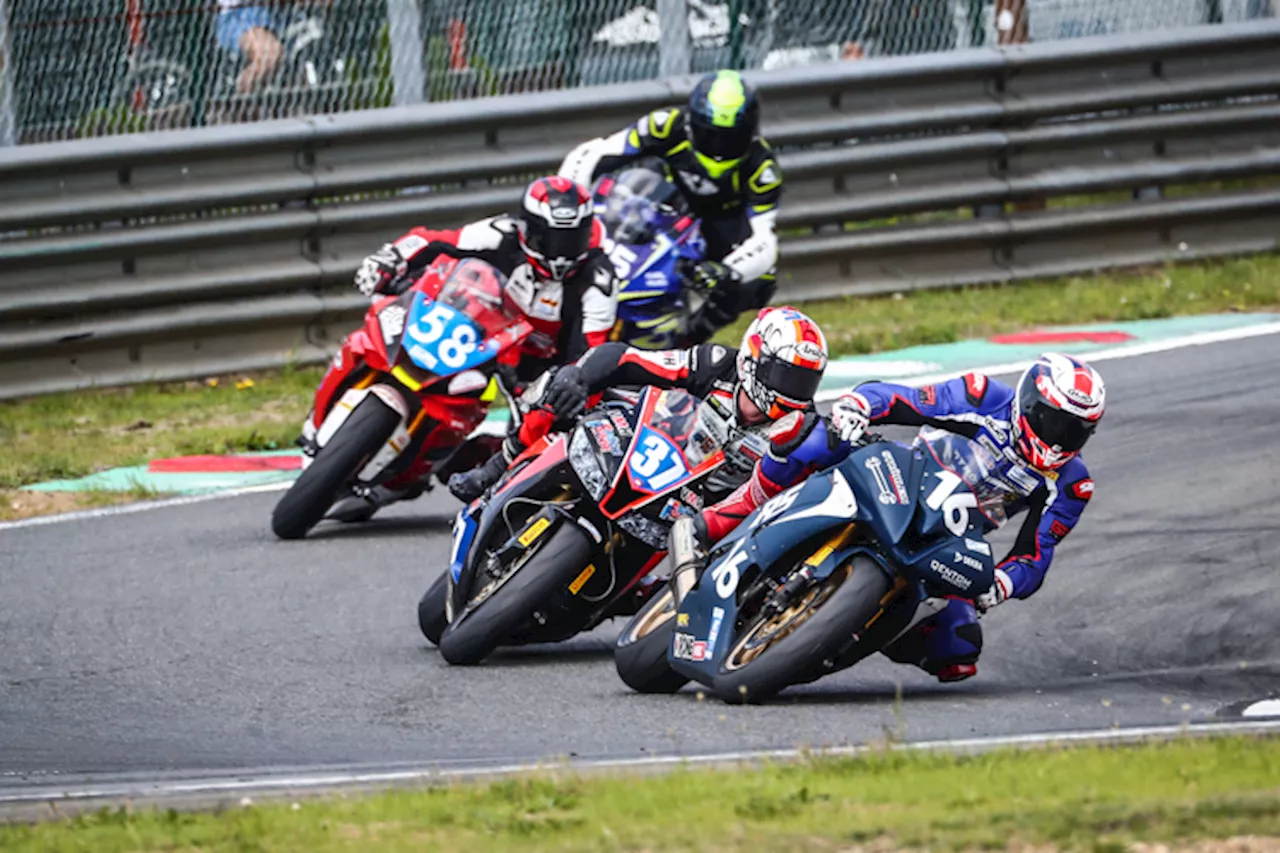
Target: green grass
[870, 324]
[70, 435]
[1086, 799]
[74, 434]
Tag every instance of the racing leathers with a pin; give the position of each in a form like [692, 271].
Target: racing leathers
[707, 371]
[568, 317]
[947, 644]
[737, 209]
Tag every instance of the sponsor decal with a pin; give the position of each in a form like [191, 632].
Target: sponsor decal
[1083, 490]
[717, 353]
[535, 530]
[1058, 529]
[682, 620]
[606, 438]
[876, 467]
[929, 395]
[977, 546]
[410, 245]
[809, 351]
[689, 647]
[970, 562]
[950, 575]
[582, 578]
[896, 479]
[673, 509]
[655, 279]
[691, 497]
[620, 423]
[697, 184]
[717, 616]
[337, 359]
[391, 320]
[1023, 479]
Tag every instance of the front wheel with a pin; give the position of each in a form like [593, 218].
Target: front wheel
[775, 651]
[641, 651]
[549, 567]
[431, 609]
[366, 429]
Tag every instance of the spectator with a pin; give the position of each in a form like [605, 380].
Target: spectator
[248, 30]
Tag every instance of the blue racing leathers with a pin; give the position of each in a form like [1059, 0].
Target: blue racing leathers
[979, 409]
[973, 406]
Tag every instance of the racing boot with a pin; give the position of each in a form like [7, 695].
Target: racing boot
[364, 502]
[946, 645]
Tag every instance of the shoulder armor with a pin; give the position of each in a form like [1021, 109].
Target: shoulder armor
[975, 388]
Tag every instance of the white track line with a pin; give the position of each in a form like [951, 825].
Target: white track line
[140, 506]
[248, 782]
[1131, 351]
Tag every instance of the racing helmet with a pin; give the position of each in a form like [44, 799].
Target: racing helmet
[781, 360]
[556, 226]
[724, 117]
[1058, 404]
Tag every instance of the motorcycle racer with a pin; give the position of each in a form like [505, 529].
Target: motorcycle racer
[556, 273]
[729, 176]
[763, 390]
[1040, 425]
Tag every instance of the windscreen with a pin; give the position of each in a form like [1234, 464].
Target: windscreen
[980, 470]
[474, 288]
[640, 202]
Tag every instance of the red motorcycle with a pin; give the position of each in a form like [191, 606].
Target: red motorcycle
[406, 390]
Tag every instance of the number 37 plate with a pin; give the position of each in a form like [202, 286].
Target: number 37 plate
[442, 339]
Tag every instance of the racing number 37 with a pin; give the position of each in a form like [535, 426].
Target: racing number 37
[655, 463]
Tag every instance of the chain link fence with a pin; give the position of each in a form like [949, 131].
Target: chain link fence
[76, 68]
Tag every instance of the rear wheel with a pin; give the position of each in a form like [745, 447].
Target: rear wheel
[773, 651]
[356, 441]
[431, 613]
[641, 651]
[548, 567]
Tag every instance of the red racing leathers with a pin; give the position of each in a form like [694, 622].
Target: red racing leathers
[569, 317]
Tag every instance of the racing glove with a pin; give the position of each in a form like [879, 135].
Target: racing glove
[850, 417]
[466, 486]
[999, 592]
[566, 393]
[382, 273]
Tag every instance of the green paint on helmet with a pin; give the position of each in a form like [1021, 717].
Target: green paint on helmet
[726, 98]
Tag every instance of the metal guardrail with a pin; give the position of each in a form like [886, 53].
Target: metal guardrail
[182, 254]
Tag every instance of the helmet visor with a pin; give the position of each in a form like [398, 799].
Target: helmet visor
[1050, 424]
[724, 144]
[789, 381]
[568, 244]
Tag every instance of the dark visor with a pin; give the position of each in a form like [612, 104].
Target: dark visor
[720, 143]
[788, 380]
[1052, 425]
[560, 242]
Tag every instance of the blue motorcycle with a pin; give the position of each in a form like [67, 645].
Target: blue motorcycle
[825, 573]
[653, 241]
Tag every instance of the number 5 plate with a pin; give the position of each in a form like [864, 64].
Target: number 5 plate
[443, 339]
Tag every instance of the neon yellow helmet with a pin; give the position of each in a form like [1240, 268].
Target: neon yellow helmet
[724, 117]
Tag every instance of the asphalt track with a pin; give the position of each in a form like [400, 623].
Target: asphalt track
[187, 640]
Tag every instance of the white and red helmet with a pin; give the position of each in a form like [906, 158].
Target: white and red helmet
[781, 360]
[557, 226]
[1058, 404]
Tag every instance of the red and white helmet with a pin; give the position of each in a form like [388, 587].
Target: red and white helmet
[781, 360]
[1059, 402]
[557, 226]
